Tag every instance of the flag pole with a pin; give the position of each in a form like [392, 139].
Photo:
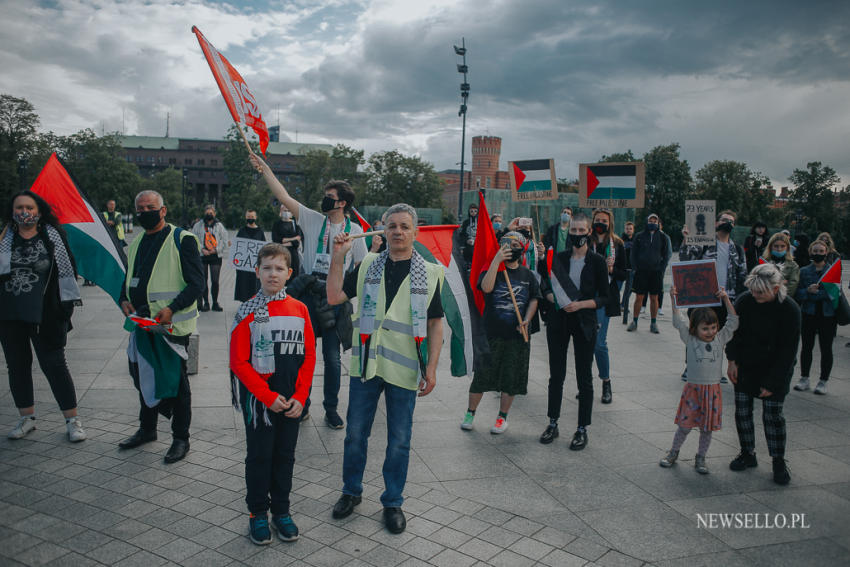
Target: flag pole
[516, 307]
[244, 138]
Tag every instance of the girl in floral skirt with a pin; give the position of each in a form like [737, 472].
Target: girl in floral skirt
[701, 405]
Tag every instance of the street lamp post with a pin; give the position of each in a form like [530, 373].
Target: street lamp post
[464, 95]
[185, 212]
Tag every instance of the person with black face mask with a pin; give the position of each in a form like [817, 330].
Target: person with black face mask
[164, 281]
[213, 238]
[467, 229]
[575, 285]
[247, 284]
[649, 250]
[330, 322]
[287, 232]
[505, 368]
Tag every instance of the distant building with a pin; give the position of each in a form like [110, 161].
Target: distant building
[202, 161]
[484, 173]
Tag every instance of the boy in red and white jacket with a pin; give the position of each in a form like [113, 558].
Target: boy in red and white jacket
[272, 358]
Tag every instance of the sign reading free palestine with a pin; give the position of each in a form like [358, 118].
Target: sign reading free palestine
[533, 180]
[615, 185]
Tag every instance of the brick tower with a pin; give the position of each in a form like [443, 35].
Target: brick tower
[485, 160]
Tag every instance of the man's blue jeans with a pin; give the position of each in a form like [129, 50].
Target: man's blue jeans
[362, 405]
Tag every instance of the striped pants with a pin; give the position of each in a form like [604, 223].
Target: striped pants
[774, 424]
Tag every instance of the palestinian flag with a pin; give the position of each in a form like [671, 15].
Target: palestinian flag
[439, 245]
[831, 281]
[609, 182]
[99, 256]
[532, 176]
[364, 224]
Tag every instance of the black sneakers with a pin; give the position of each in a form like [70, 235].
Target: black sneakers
[743, 461]
[781, 474]
[606, 391]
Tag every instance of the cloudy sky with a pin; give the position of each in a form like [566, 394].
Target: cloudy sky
[767, 83]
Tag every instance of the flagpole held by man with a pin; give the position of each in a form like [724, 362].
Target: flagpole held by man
[164, 281]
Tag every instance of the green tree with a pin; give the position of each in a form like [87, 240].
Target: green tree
[392, 177]
[757, 204]
[668, 185]
[724, 181]
[319, 167]
[624, 156]
[243, 191]
[813, 194]
[18, 123]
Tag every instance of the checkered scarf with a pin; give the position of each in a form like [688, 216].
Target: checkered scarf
[418, 297]
[261, 359]
[68, 289]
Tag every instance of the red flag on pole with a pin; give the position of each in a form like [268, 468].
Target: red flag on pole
[485, 248]
[241, 103]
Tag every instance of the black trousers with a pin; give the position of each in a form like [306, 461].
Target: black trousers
[179, 408]
[16, 337]
[567, 326]
[269, 462]
[212, 271]
[824, 328]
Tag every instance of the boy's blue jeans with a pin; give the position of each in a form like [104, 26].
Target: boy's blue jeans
[362, 405]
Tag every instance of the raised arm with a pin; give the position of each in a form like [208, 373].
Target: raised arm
[342, 244]
[274, 184]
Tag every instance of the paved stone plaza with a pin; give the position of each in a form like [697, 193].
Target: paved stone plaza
[471, 499]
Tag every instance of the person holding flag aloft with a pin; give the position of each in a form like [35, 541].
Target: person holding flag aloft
[818, 307]
[319, 231]
[509, 317]
[575, 284]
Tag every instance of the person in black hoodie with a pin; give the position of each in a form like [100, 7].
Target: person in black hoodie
[247, 284]
[574, 285]
[648, 253]
[468, 228]
[608, 245]
[755, 244]
[762, 355]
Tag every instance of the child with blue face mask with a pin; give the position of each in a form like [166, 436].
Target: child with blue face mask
[778, 252]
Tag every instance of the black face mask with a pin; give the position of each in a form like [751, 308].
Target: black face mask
[818, 258]
[328, 204]
[600, 227]
[148, 219]
[209, 217]
[250, 221]
[515, 255]
[578, 240]
[525, 233]
[725, 227]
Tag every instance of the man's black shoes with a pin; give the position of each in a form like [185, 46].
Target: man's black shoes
[217, 307]
[345, 506]
[606, 392]
[333, 420]
[140, 437]
[178, 450]
[579, 441]
[549, 435]
[743, 461]
[204, 307]
[394, 520]
[781, 474]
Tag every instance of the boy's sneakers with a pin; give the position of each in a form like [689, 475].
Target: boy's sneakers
[743, 461]
[76, 433]
[802, 385]
[653, 328]
[632, 326]
[669, 460]
[286, 528]
[820, 388]
[259, 531]
[333, 420]
[25, 424]
[699, 464]
[500, 426]
[466, 424]
[781, 474]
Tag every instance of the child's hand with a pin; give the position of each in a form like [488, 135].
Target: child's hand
[721, 294]
[279, 404]
[502, 255]
[673, 294]
[295, 409]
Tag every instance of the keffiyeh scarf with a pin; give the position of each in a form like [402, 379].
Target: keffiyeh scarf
[68, 288]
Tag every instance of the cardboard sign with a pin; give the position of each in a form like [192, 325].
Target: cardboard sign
[615, 185]
[533, 180]
[695, 283]
[699, 220]
[243, 253]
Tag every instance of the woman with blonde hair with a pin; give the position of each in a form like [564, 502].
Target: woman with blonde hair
[778, 252]
[832, 254]
[608, 245]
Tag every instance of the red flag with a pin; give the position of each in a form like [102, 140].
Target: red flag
[762, 261]
[486, 247]
[241, 103]
[361, 221]
[833, 274]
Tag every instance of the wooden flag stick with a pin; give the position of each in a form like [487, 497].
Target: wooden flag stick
[516, 307]
[365, 234]
[244, 138]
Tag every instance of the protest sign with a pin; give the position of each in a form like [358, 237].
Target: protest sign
[696, 284]
[699, 220]
[533, 180]
[243, 253]
[614, 185]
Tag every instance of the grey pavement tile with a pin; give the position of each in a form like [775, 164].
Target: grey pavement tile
[383, 556]
[421, 527]
[469, 525]
[561, 558]
[617, 559]
[826, 551]
[152, 539]
[531, 548]
[240, 548]
[302, 548]
[413, 562]
[523, 526]
[162, 517]
[112, 552]
[208, 558]
[451, 558]
[421, 548]
[354, 545]
[441, 515]
[361, 525]
[508, 558]
[270, 557]
[586, 549]
[86, 541]
[17, 543]
[499, 536]
[395, 541]
[328, 533]
[478, 549]
[214, 536]
[126, 529]
[449, 537]
[327, 557]
[725, 558]
[142, 559]
[72, 559]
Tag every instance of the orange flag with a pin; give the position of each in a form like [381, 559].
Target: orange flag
[241, 103]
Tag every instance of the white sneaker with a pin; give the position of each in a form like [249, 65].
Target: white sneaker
[821, 388]
[660, 313]
[25, 424]
[76, 433]
[466, 424]
[500, 426]
[802, 385]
